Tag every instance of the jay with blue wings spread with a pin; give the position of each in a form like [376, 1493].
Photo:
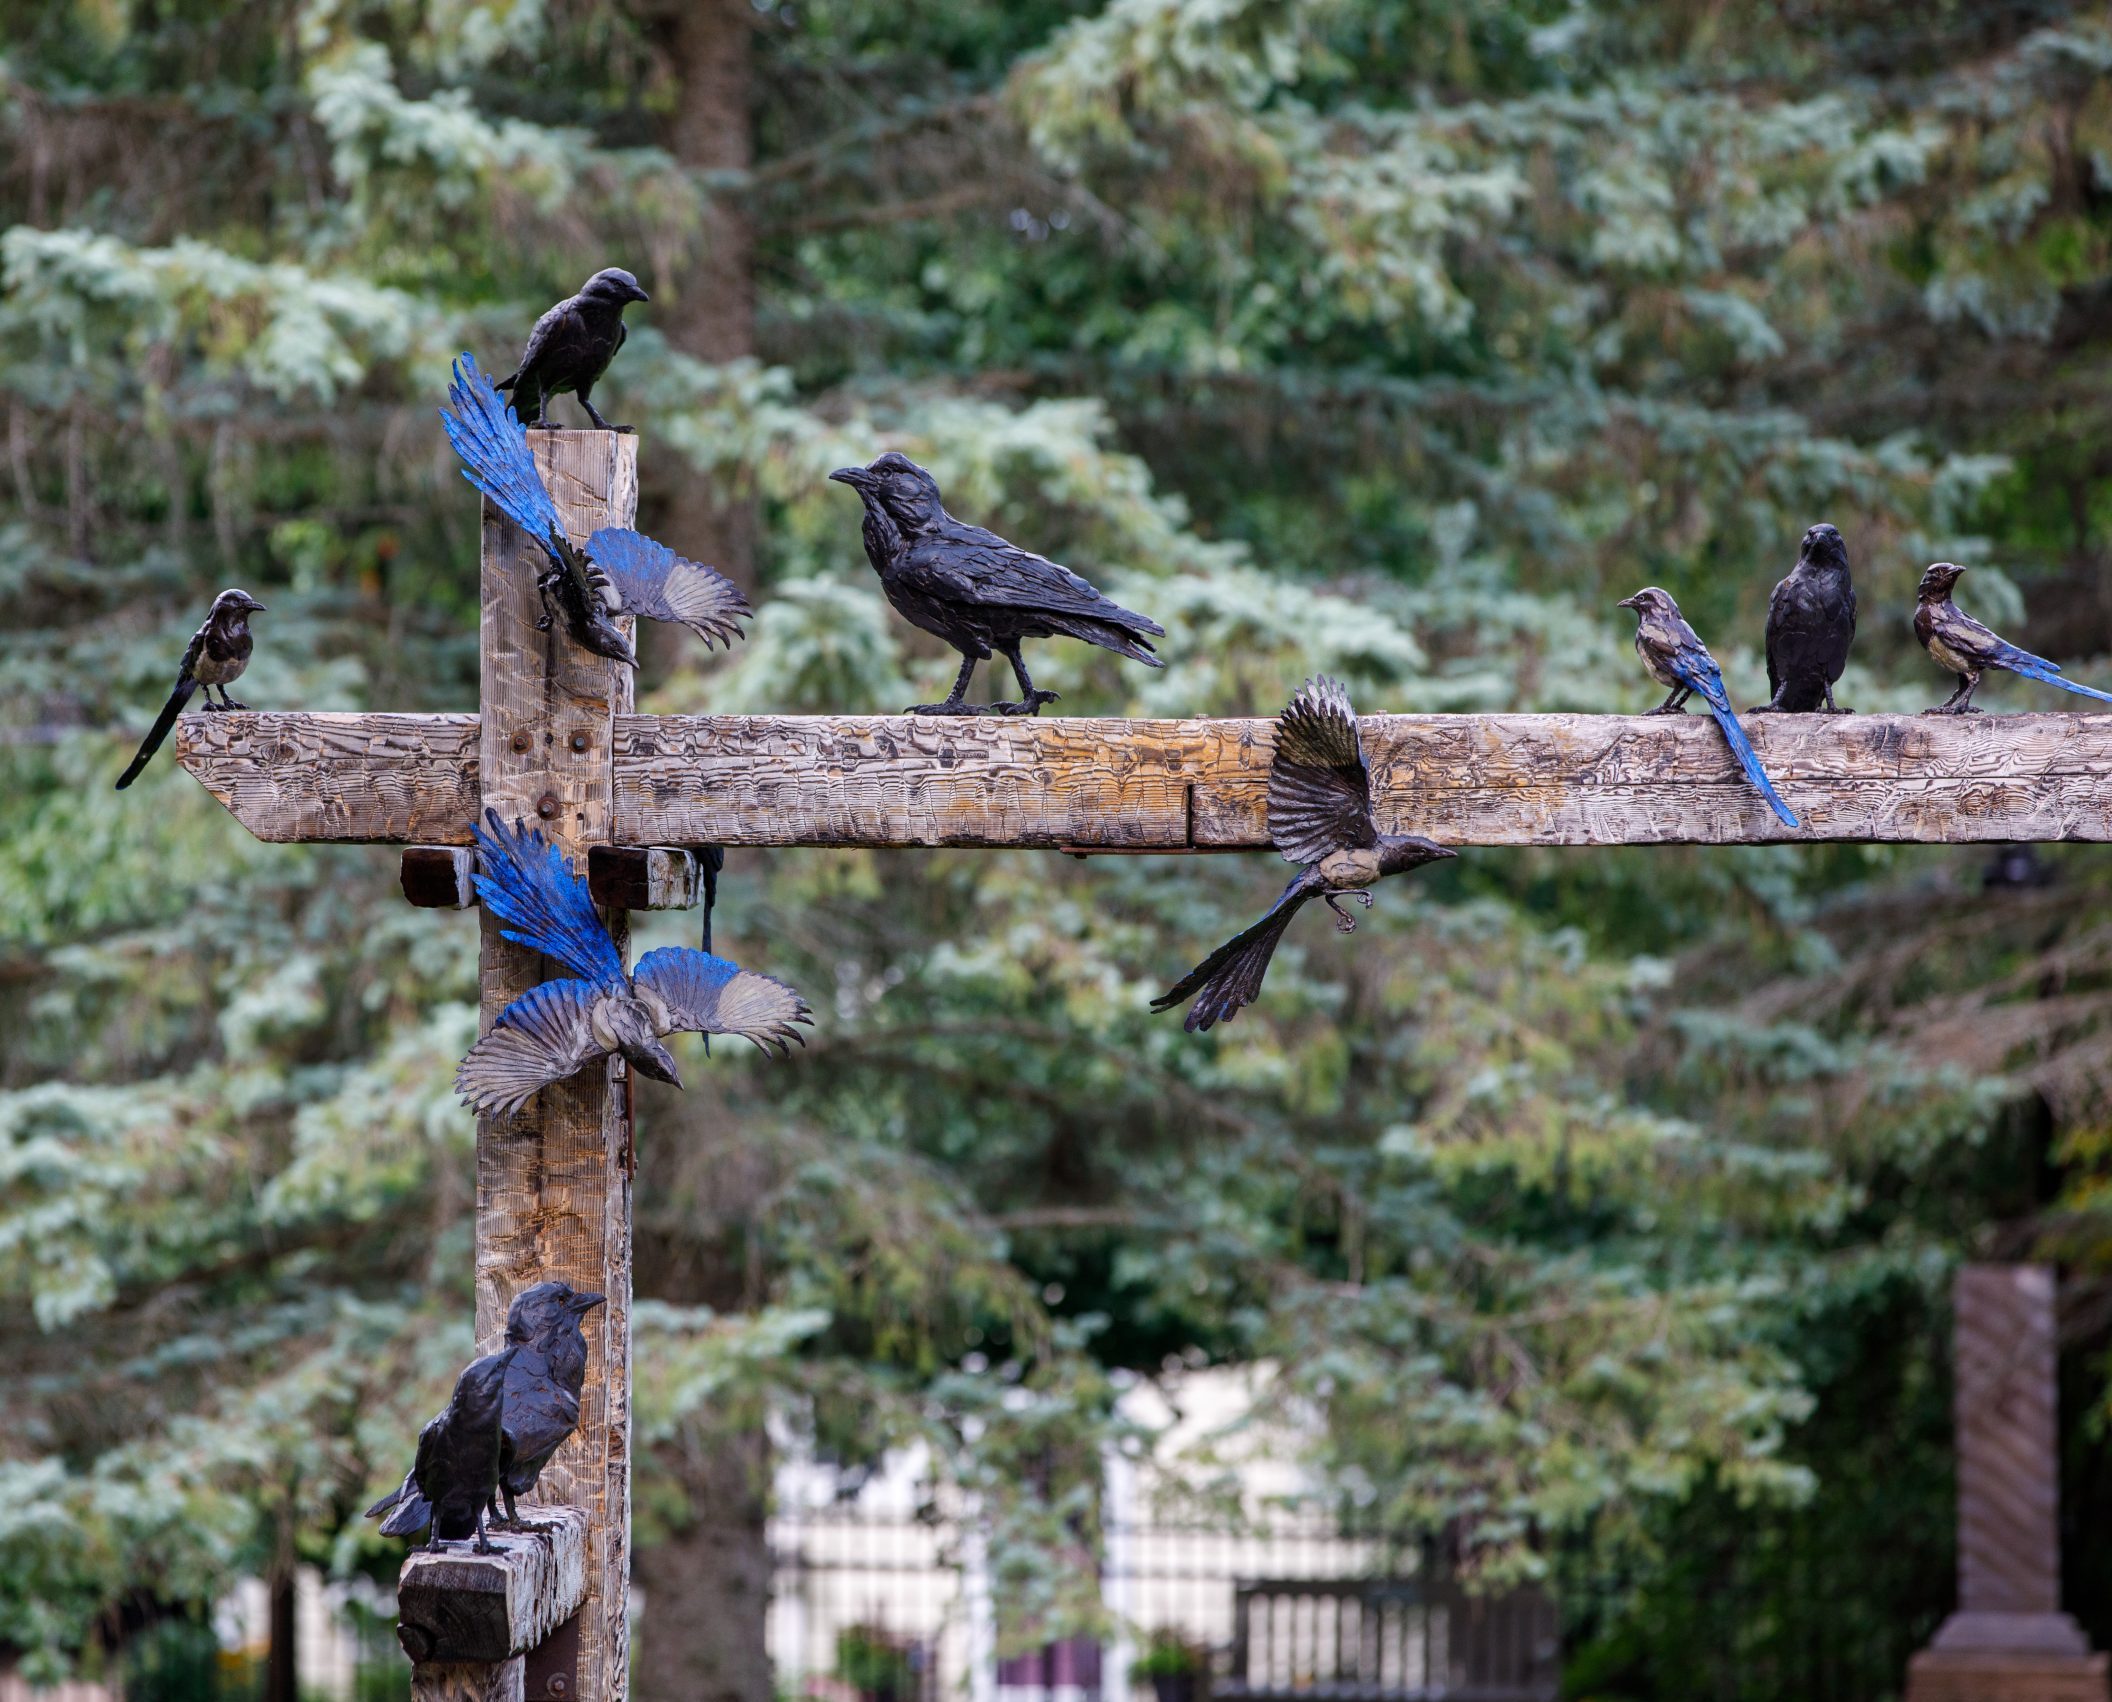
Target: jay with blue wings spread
[1968, 649]
[618, 572]
[1680, 662]
[555, 1030]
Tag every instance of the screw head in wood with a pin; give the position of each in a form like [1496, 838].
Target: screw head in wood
[558, 1685]
[546, 805]
[579, 741]
[520, 744]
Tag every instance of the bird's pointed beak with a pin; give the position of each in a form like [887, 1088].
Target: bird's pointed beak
[655, 1061]
[1627, 603]
[585, 1303]
[257, 608]
[638, 293]
[856, 477]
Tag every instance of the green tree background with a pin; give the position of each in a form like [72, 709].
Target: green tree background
[1601, 1204]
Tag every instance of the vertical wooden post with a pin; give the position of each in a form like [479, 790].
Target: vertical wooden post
[2009, 1641]
[553, 1182]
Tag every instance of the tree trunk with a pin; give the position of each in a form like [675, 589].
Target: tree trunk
[700, 1631]
[707, 309]
[281, 1670]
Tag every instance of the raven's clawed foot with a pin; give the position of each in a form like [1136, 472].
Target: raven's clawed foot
[1667, 709]
[227, 702]
[1954, 709]
[1345, 923]
[1028, 705]
[957, 706]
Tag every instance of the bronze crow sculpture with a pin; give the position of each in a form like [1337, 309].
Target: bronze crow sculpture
[457, 1468]
[572, 345]
[216, 656]
[1810, 626]
[975, 590]
[1320, 818]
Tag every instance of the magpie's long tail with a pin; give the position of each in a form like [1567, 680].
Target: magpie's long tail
[1229, 979]
[160, 730]
[1748, 759]
[2038, 668]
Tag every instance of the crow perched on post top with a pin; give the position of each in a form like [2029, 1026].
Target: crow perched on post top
[555, 1029]
[975, 590]
[457, 1469]
[1810, 625]
[572, 345]
[542, 1384]
[216, 656]
[1968, 649]
[1678, 660]
[1320, 817]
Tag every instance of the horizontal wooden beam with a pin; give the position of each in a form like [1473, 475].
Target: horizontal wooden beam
[1118, 785]
[459, 1606]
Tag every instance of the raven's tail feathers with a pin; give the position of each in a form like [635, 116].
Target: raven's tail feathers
[1229, 979]
[1122, 640]
[411, 1511]
[1749, 760]
[159, 731]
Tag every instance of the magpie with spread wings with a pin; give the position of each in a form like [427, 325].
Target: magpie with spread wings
[1958, 642]
[975, 590]
[618, 572]
[1320, 818]
[555, 1030]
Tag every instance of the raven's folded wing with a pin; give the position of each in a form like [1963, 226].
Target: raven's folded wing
[544, 1036]
[495, 456]
[1319, 786]
[527, 884]
[693, 992]
[650, 580]
[969, 564]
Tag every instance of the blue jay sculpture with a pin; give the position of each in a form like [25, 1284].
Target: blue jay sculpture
[618, 572]
[1680, 662]
[554, 1030]
[1958, 642]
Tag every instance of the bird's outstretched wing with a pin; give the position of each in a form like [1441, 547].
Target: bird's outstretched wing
[650, 580]
[1229, 979]
[495, 456]
[1319, 785]
[692, 992]
[527, 884]
[543, 1036]
[1695, 667]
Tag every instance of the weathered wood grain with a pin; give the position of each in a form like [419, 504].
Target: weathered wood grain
[1115, 785]
[461, 1606]
[375, 778]
[478, 1681]
[553, 1189]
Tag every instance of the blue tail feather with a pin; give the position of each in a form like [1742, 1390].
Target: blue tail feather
[531, 887]
[2047, 673]
[1707, 678]
[495, 456]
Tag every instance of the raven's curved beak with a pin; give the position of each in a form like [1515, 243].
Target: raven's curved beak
[638, 293]
[585, 1303]
[1628, 602]
[856, 477]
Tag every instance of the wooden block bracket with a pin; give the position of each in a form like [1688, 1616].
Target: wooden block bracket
[477, 1625]
[620, 877]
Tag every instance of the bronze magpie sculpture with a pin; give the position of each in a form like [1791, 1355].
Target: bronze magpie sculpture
[975, 590]
[572, 345]
[619, 572]
[556, 1029]
[1678, 660]
[216, 656]
[1810, 626]
[457, 1468]
[1968, 649]
[1320, 818]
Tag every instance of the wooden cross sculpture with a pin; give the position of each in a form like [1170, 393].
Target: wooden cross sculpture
[556, 743]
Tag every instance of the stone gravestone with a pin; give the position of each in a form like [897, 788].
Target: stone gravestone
[2008, 1641]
